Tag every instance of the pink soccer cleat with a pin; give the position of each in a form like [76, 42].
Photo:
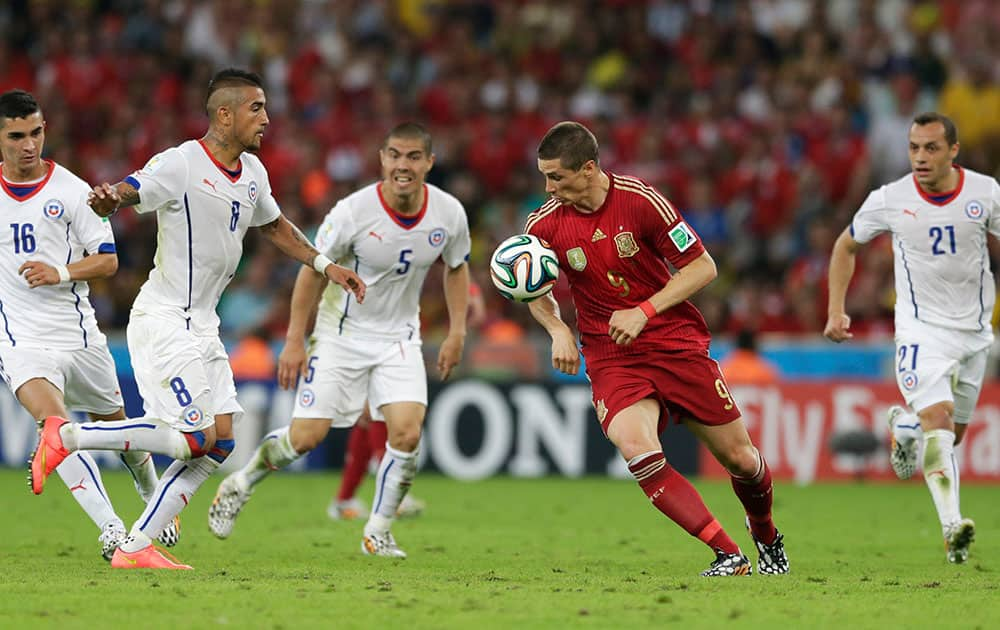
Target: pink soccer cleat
[49, 453]
[149, 557]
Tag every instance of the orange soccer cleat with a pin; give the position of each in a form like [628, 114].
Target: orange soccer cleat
[149, 557]
[49, 453]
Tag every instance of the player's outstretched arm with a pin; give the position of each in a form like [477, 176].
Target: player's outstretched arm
[456, 296]
[309, 287]
[293, 242]
[106, 199]
[38, 274]
[565, 354]
[842, 262]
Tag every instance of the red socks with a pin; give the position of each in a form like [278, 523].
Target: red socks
[673, 495]
[757, 497]
[355, 461]
[377, 436]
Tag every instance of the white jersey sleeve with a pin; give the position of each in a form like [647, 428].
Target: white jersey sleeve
[994, 220]
[337, 232]
[456, 250]
[872, 218]
[159, 180]
[266, 209]
[94, 233]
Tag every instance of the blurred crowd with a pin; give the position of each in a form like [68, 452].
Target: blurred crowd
[766, 122]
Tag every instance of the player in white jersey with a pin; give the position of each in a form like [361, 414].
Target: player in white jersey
[206, 195]
[939, 218]
[391, 232]
[52, 354]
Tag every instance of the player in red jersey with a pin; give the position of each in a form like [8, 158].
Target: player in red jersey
[646, 346]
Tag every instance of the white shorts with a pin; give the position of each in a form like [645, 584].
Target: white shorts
[185, 380]
[933, 364]
[87, 377]
[344, 373]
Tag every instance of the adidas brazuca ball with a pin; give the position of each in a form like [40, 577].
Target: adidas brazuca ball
[524, 268]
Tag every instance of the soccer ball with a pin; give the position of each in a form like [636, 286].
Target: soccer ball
[524, 268]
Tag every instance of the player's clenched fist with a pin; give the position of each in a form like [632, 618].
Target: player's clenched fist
[104, 199]
[38, 274]
[347, 279]
[838, 327]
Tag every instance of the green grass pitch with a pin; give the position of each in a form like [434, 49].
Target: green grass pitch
[503, 553]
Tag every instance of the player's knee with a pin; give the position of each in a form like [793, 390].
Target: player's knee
[742, 461]
[405, 439]
[222, 449]
[200, 442]
[305, 435]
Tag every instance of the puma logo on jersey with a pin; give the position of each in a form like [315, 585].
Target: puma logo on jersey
[598, 235]
[208, 183]
[378, 236]
[910, 212]
[78, 486]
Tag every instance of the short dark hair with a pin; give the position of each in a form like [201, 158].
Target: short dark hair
[17, 104]
[409, 130]
[950, 130]
[571, 143]
[233, 77]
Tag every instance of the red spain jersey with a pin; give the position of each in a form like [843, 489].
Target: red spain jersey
[616, 258]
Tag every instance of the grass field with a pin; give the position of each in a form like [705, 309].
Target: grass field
[504, 553]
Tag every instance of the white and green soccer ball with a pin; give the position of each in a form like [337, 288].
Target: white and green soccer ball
[524, 268]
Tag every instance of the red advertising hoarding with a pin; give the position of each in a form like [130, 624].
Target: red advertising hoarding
[792, 423]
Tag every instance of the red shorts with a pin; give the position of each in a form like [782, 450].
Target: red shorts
[686, 384]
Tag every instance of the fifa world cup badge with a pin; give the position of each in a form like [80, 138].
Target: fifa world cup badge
[577, 259]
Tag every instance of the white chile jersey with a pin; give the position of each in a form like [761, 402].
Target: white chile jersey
[942, 265]
[50, 222]
[203, 212]
[392, 254]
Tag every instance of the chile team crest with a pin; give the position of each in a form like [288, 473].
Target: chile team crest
[974, 210]
[436, 237]
[252, 191]
[53, 209]
[193, 416]
[307, 398]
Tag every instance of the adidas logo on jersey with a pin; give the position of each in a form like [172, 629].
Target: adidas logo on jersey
[598, 235]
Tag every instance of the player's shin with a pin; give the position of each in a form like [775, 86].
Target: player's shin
[673, 495]
[83, 479]
[274, 452]
[756, 495]
[393, 481]
[134, 434]
[941, 474]
[140, 465]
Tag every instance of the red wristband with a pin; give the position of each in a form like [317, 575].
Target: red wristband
[647, 308]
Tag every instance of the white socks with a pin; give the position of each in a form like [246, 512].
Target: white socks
[274, 451]
[179, 483]
[941, 474]
[83, 479]
[134, 434]
[140, 465]
[395, 475]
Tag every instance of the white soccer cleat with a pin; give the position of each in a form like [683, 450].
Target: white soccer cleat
[349, 510]
[771, 559]
[171, 534]
[112, 537]
[381, 545]
[958, 538]
[902, 457]
[410, 506]
[229, 500]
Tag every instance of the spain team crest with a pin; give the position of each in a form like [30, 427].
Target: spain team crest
[627, 247]
[577, 259]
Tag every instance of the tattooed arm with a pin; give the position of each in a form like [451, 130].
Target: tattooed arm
[105, 199]
[293, 242]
